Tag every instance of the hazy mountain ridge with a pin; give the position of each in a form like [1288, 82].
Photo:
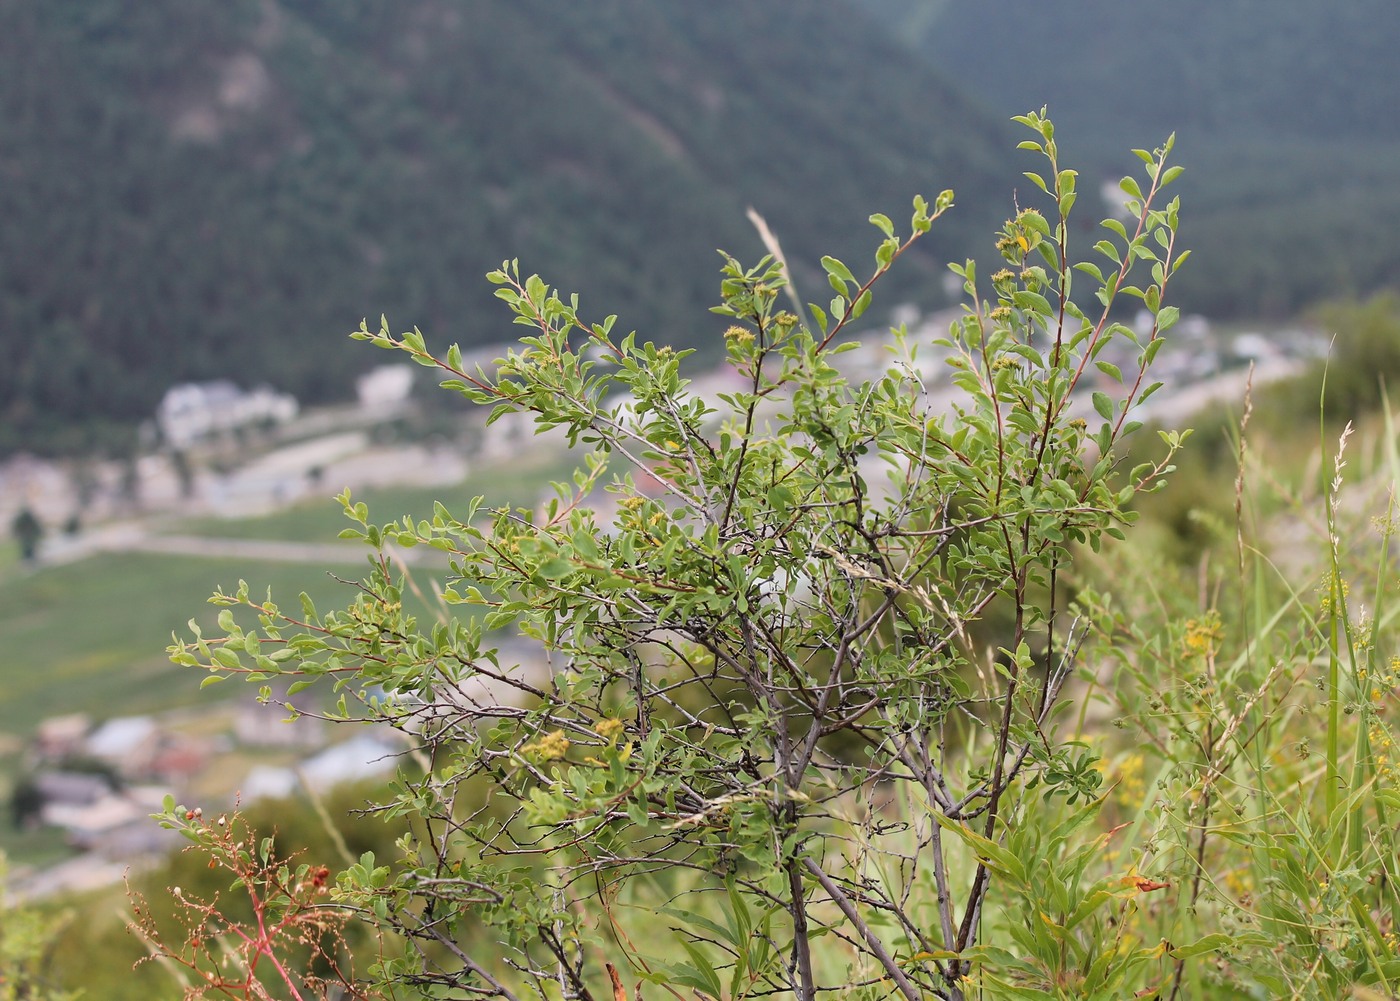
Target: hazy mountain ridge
[1275, 69]
[1283, 110]
[199, 190]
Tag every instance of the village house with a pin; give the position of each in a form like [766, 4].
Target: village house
[384, 389]
[194, 411]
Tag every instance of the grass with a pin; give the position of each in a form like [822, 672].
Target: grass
[91, 636]
[37, 847]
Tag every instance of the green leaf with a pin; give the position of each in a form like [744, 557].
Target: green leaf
[586, 545]
[707, 978]
[555, 568]
[1103, 406]
[700, 921]
[1208, 943]
[838, 270]
[1108, 250]
[997, 858]
[1091, 269]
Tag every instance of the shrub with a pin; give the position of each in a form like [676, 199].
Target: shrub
[764, 752]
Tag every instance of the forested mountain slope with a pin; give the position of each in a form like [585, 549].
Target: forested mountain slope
[197, 189]
[1284, 111]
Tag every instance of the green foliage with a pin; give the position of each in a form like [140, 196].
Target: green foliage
[1351, 384]
[27, 530]
[1262, 744]
[761, 703]
[1363, 363]
[28, 950]
[69, 647]
[1282, 226]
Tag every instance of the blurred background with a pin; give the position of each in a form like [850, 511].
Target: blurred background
[197, 191]
[200, 200]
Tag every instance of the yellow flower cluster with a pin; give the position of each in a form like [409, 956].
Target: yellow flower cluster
[1383, 747]
[1203, 635]
[550, 747]
[1325, 591]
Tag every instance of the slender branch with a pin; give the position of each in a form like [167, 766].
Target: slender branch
[877, 947]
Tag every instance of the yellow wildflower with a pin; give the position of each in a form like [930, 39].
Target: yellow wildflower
[550, 747]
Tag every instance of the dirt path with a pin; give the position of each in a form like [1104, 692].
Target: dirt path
[136, 537]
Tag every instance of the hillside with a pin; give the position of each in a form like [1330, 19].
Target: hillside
[199, 190]
[1284, 112]
[1285, 70]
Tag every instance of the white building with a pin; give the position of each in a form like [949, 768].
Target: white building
[192, 411]
[384, 388]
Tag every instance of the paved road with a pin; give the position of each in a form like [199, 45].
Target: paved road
[265, 550]
[261, 550]
[135, 537]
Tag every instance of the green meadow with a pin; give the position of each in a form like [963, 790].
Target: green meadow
[90, 636]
